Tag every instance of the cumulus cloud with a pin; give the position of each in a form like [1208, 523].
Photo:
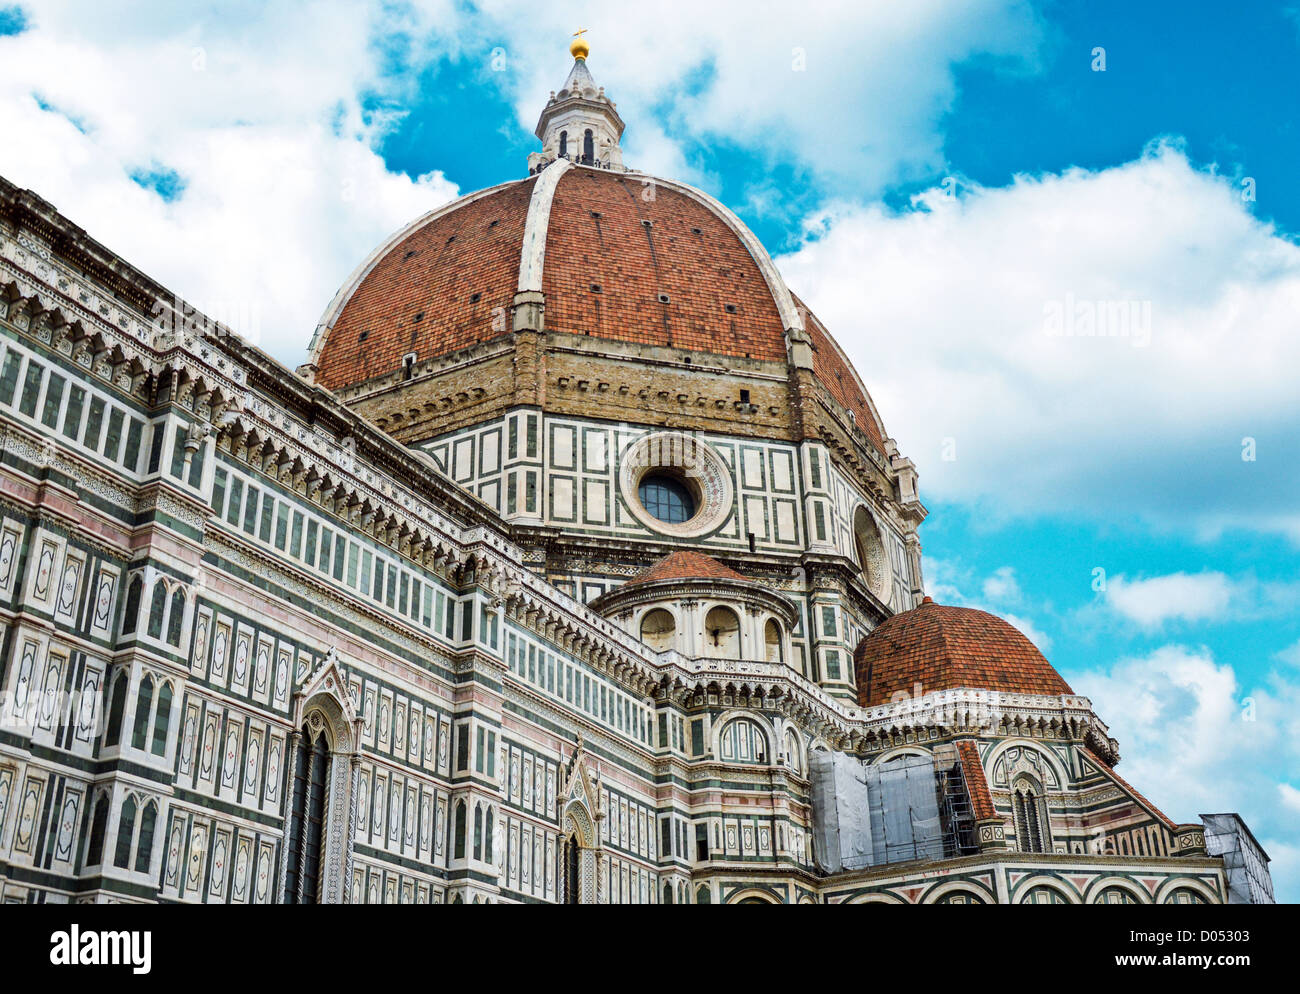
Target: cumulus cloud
[1002, 586]
[947, 582]
[1151, 602]
[1196, 740]
[230, 149]
[1289, 796]
[769, 77]
[1080, 344]
[226, 153]
[1207, 596]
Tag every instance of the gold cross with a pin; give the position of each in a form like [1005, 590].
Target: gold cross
[580, 32]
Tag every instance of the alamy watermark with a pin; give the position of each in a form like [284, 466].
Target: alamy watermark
[1072, 317]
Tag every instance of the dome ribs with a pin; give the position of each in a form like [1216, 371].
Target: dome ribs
[635, 263]
[434, 272]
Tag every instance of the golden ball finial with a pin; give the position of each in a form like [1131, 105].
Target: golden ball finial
[579, 48]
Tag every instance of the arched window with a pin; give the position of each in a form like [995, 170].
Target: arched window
[571, 870]
[1044, 895]
[478, 831]
[773, 643]
[1185, 895]
[588, 148]
[872, 557]
[458, 849]
[143, 703]
[157, 607]
[742, 740]
[959, 897]
[176, 617]
[306, 819]
[792, 758]
[125, 834]
[131, 613]
[98, 826]
[703, 895]
[722, 633]
[116, 709]
[1116, 895]
[1030, 812]
[144, 849]
[487, 838]
[657, 629]
[564, 144]
[161, 719]
[668, 893]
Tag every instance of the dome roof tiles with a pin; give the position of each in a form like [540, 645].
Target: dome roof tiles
[939, 647]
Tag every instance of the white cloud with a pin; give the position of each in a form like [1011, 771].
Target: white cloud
[1151, 602]
[1291, 654]
[1002, 586]
[257, 112]
[947, 311]
[1196, 741]
[848, 91]
[1208, 596]
[1290, 796]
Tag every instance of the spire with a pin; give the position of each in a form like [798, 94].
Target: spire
[579, 123]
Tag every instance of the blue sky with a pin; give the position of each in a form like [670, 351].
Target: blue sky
[935, 179]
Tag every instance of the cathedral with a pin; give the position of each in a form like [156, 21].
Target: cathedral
[575, 565]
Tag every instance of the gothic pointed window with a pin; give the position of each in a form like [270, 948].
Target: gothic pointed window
[306, 818]
[162, 718]
[125, 834]
[157, 607]
[98, 826]
[458, 850]
[143, 704]
[116, 708]
[131, 613]
[144, 848]
[1033, 833]
[176, 618]
[571, 870]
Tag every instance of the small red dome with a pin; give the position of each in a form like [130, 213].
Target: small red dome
[685, 565]
[939, 647]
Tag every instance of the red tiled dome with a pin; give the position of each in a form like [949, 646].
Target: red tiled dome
[942, 648]
[440, 286]
[627, 257]
[685, 565]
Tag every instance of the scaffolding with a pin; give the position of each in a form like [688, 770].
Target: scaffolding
[907, 809]
[1245, 863]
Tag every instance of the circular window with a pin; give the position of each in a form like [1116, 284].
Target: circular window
[675, 484]
[666, 498]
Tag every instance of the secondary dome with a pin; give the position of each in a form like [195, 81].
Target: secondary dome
[685, 565]
[939, 647]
